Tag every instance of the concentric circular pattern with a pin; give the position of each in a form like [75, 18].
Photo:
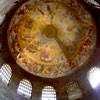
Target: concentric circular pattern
[51, 38]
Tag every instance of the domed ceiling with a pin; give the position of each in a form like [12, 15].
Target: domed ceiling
[48, 45]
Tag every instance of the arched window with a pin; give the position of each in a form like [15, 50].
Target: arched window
[48, 93]
[25, 88]
[94, 77]
[5, 73]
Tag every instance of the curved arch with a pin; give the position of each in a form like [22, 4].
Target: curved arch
[5, 73]
[93, 76]
[25, 88]
[48, 93]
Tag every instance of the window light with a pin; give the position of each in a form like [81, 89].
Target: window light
[94, 77]
[92, 2]
[48, 93]
[5, 73]
[25, 88]
[2, 19]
